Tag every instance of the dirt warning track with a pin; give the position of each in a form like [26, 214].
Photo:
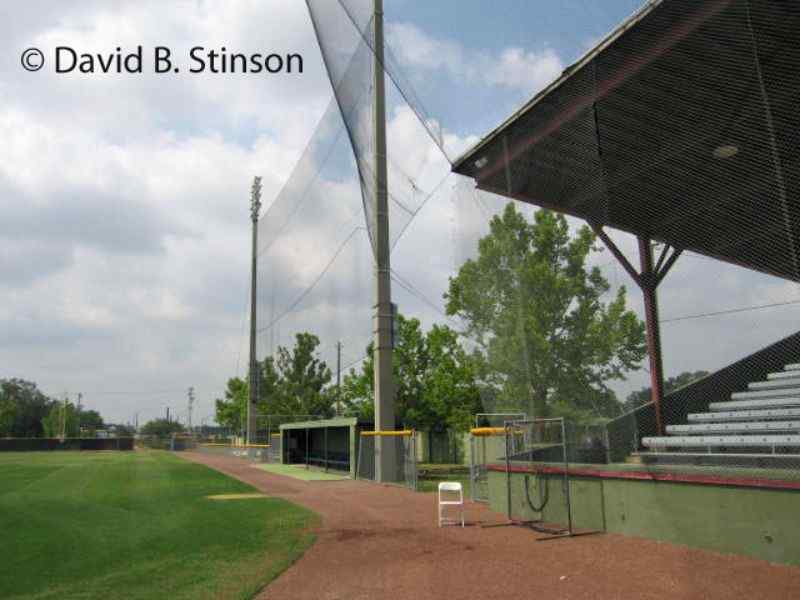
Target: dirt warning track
[382, 542]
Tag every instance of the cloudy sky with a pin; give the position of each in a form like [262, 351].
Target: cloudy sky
[124, 217]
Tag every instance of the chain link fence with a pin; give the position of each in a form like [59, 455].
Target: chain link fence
[400, 445]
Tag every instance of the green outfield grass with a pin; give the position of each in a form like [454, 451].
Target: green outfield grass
[137, 525]
[300, 472]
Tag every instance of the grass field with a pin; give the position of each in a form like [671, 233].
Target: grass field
[300, 472]
[137, 525]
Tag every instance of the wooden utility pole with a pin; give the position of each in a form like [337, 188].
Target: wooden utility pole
[255, 208]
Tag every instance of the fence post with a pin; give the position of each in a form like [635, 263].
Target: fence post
[508, 474]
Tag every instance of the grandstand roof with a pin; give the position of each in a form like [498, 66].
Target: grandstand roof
[681, 126]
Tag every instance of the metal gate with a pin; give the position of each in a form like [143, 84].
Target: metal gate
[486, 446]
[401, 444]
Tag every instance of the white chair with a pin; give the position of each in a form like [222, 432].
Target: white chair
[447, 491]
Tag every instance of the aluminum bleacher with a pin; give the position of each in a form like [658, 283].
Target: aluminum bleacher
[762, 422]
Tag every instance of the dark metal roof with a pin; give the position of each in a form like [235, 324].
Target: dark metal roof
[681, 126]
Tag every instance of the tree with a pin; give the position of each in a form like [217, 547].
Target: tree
[62, 419]
[408, 361]
[300, 380]
[549, 342]
[293, 383]
[231, 411]
[8, 412]
[90, 421]
[435, 383]
[450, 393]
[22, 408]
[161, 428]
[643, 396]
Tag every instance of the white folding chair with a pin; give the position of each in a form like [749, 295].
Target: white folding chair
[447, 492]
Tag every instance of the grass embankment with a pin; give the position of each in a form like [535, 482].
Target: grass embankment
[137, 525]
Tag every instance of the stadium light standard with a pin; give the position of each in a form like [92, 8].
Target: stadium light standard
[255, 208]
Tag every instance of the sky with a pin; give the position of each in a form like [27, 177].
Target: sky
[124, 198]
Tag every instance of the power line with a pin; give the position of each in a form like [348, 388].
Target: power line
[137, 393]
[730, 311]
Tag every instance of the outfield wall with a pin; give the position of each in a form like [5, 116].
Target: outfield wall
[735, 514]
[41, 444]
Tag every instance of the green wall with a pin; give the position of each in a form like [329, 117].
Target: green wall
[762, 523]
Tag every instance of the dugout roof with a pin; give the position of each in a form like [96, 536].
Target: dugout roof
[681, 126]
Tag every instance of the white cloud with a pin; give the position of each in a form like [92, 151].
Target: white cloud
[124, 230]
[514, 68]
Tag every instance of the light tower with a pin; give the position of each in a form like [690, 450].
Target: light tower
[255, 208]
[191, 402]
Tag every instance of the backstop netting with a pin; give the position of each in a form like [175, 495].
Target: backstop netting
[401, 445]
[683, 121]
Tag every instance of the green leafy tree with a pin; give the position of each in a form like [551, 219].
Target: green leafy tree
[231, 411]
[450, 392]
[161, 428]
[435, 380]
[408, 360]
[300, 380]
[549, 342]
[296, 382]
[90, 421]
[62, 418]
[22, 408]
[643, 396]
[8, 411]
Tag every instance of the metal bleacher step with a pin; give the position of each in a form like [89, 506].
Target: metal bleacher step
[784, 375]
[758, 460]
[744, 415]
[755, 404]
[766, 394]
[724, 441]
[776, 384]
[739, 427]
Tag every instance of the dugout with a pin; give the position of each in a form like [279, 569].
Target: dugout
[330, 444]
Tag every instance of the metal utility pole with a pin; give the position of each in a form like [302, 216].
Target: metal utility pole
[168, 414]
[385, 463]
[338, 377]
[255, 208]
[191, 402]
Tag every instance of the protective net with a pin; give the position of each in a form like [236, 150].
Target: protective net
[662, 161]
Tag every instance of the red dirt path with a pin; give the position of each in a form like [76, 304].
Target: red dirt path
[382, 542]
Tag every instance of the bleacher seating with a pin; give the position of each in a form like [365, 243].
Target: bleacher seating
[760, 423]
